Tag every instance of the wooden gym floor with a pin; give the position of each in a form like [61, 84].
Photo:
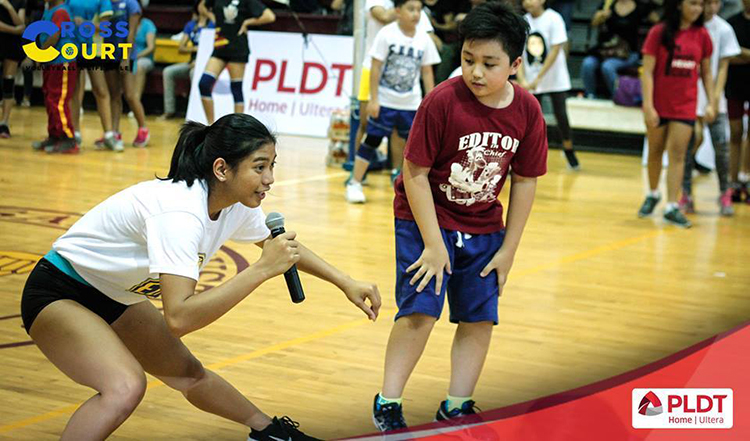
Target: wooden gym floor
[594, 291]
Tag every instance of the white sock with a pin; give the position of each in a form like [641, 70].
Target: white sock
[655, 194]
[109, 134]
[77, 134]
[671, 206]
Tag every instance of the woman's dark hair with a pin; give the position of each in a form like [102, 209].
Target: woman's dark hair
[496, 21]
[672, 19]
[233, 137]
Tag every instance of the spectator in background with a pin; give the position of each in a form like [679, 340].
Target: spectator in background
[120, 80]
[544, 70]
[145, 43]
[617, 47]
[231, 48]
[59, 83]
[12, 25]
[188, 45]
[725, 46]
[443, 16]
[676, 52]
[738, 100]
[93, 11]
[34, 12]
[378, 14]
[401, 55]
[346, 9]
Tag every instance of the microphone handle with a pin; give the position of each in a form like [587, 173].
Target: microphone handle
[291, 276]
[294, 285]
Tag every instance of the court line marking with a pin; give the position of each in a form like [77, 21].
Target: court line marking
[582, 255]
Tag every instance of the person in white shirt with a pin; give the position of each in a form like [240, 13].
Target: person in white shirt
[726, 46]
[401, 53]
[379, 13]
[545, 70]
[86, 305]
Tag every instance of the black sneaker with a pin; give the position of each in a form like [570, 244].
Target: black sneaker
[283, 429]
[387, 417]
[676, 217]
[573, 164]
[648, 206]
[4, 131]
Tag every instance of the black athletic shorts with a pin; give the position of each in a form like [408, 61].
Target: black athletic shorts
[237, 51]
[11, 48]
[47, 284]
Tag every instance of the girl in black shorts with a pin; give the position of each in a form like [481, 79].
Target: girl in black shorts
[231, 50]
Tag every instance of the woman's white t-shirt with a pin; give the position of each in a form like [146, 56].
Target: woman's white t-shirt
[122, 245]
[546, 31]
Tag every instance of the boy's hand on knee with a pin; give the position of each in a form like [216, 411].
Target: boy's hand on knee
[432, 262]
[501, 263]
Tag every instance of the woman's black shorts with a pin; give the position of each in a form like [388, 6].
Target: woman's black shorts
[47, 284]
[237, 51]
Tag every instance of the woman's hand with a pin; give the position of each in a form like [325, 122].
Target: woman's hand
[279, 253]
[500, 263]
[432, 262]
[357, 292]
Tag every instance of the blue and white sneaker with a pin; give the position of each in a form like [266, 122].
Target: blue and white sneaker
[469, 408]
[387, 417]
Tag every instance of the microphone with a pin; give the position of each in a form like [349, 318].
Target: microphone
[275, 223]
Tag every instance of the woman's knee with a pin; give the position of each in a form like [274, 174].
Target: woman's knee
[125, 392]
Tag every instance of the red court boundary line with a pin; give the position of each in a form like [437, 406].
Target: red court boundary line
[609, 383]
[574, 394]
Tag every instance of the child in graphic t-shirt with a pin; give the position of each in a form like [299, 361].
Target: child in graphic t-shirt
[545, 70]
[401, 54]
[469, 135]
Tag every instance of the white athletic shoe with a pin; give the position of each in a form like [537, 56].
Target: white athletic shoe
[354, 193]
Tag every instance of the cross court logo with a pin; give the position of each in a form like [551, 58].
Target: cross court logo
[70, 51]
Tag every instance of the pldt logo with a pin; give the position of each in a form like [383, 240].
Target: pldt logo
[653, 400]
[70, 51]
[682, 408]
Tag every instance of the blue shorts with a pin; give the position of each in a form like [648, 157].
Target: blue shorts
[471, 298]
[387, 119]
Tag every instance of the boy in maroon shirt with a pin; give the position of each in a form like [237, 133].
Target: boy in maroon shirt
[468, 135]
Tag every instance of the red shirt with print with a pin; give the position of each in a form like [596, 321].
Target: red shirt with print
[470, 148]
[676, 78]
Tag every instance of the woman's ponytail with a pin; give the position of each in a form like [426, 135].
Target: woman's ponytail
[186, 160]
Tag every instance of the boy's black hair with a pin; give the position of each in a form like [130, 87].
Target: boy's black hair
[233, 137]
[399, 3]
[496, 21]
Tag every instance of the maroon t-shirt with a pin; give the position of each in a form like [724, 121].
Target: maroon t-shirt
[470, 148]
[676, 78]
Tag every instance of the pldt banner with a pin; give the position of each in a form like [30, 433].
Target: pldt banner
[292, 87]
